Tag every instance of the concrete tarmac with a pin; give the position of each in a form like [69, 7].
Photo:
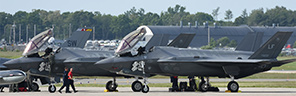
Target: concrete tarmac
[130, 81]
[157, 91]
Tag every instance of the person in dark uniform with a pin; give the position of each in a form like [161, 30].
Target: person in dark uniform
[174, 80]
[47, 52]
[141, 50]
[71, 81]
[66, 81]
[49, 58]
[192, 84]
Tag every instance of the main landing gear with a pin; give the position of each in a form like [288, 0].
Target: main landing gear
[232, 85]
[137, 86]
[111, 85]
[205, 85]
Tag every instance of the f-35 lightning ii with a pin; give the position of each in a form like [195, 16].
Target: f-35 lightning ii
[52, 63]
[172, 61]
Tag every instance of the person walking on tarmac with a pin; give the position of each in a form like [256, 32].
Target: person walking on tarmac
[71, 81]
[174, 80]
[66, 81]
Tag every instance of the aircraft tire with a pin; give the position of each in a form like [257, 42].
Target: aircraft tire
[110, 86]
[145, 89]
[52, 88]
[203, 87]
[137, 86]
[233, 86]
[35, 86]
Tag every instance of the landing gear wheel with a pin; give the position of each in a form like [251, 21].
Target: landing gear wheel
[35, 86]
[137, 86]
[145, 89]
[52, 88]
[233, 86]
[203, 87]
[111, 86]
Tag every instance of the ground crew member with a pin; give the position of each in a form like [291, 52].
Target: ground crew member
[192, 84]
[66, 81]
[71, 81]
[174, 80]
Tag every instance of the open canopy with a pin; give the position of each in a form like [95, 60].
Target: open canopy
[130, 40]
[37, 42]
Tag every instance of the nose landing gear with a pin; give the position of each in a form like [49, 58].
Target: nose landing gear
[233, 85]
[111, 85]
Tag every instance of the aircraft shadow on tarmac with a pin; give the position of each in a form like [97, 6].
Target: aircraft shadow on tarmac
[161, 91]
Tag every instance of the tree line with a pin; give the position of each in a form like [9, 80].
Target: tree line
[115, 27]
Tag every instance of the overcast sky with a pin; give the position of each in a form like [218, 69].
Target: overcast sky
[116, 7]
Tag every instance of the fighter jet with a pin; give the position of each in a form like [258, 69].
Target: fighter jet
[70, 54]
[172, 61]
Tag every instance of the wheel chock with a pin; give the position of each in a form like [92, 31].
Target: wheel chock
[228, 91]
[110, 91]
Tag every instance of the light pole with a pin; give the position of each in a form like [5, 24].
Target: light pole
[94, 30]
[70, 29]
[27, 31]
[34, 30]
[10, 34]
[13, 26]
[20, 33]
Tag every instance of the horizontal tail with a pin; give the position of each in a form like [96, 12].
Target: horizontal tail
[78, 38]
[272, 48]
[282, 62]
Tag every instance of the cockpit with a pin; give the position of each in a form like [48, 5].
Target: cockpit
[36, 44]
[130, 44]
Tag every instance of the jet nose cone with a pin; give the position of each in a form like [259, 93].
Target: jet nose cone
[11, 63]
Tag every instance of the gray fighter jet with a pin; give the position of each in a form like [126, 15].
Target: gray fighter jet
[172, 61]
[49, 67]
[70, 54]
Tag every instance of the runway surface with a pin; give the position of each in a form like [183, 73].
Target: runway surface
[158, 91]
[130, 81]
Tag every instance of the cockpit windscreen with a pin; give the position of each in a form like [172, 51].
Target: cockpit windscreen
[130, 40]
[37, 42]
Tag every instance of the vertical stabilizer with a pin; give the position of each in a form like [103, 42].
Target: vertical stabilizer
[183, 40]
[272, 48]
[251, 42]
[78, 38]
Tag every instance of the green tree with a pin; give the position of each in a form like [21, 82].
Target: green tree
[215, 13]
[242, 19]
[294, 45]
[206, 47]
[256, 17]
[244, 14]
[213, 43]
[223, 41]
[228, 15]
[232, 43]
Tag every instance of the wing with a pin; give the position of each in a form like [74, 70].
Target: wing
[84, 60]
[208, 60]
